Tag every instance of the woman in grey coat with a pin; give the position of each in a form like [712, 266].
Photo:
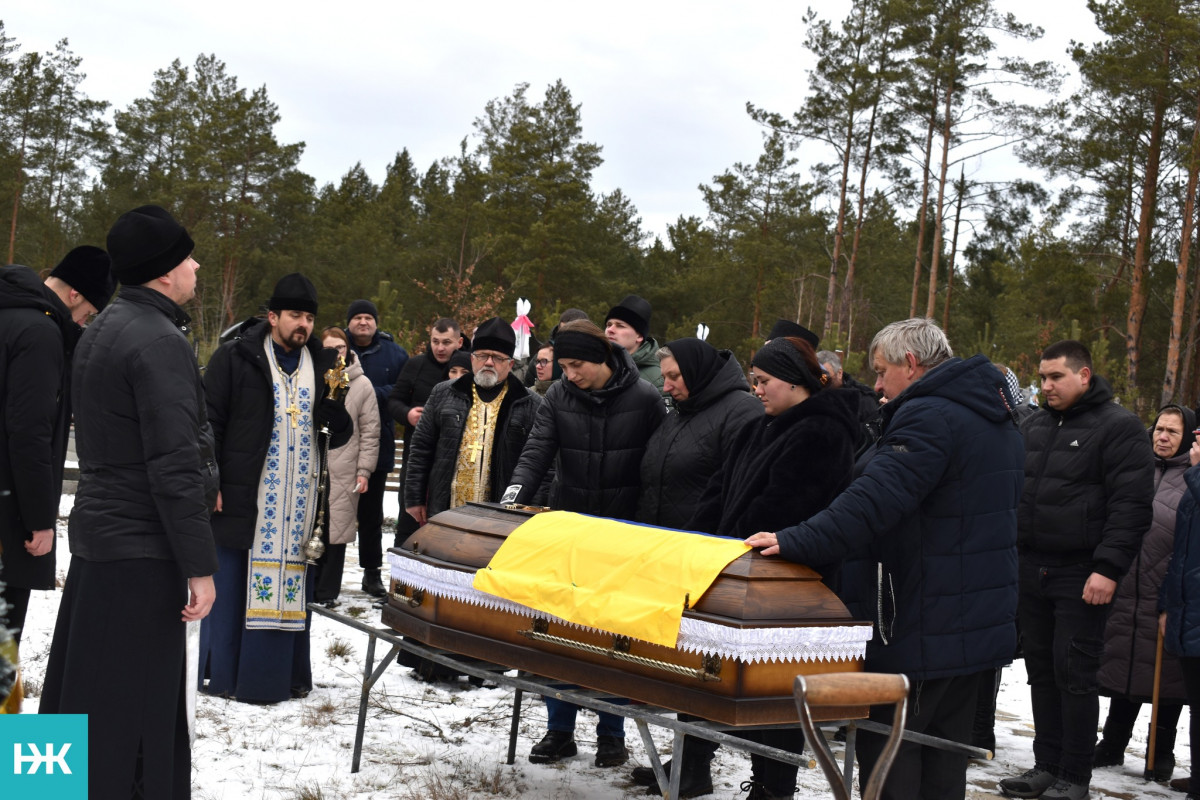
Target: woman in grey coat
[1131, 636]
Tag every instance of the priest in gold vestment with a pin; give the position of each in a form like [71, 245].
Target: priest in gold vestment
[470, 436]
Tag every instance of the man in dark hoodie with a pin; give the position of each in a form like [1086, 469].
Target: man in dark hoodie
[39, 326]
[382, 361]
[406, 402]
[1087, 502]
[936, 510]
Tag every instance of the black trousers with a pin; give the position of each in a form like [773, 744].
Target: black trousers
[329, 573]
[370, 522]
[1191, 681]
[1063, 639]
[942, 707]
[1123, 714]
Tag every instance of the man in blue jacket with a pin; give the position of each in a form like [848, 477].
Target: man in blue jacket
[382, 360]
[936, 511]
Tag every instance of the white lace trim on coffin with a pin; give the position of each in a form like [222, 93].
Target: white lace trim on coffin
[815, 643]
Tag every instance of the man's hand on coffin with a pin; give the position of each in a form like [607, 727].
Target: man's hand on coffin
[768, 541]
[202, 592]
[417, 513]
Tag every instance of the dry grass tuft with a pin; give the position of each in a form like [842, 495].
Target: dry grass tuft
[339, 648]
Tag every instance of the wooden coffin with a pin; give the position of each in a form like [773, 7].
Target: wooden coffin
[722, 668]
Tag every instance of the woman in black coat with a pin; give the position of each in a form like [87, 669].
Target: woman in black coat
[1127, 668]
[593, 427]
[713, 404]
[783, 469]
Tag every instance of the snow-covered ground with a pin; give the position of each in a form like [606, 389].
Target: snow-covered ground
[449, 743]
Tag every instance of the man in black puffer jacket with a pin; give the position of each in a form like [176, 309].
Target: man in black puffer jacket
[39, 327]
[139, 532]
[1087, 502]
[936, 511]
[443, 451]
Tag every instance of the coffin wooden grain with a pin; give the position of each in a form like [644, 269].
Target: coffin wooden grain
[752, 592]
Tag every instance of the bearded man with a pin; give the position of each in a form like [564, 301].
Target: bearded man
[267, 400]
[471, 433]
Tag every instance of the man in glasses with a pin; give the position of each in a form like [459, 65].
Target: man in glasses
[470, 435]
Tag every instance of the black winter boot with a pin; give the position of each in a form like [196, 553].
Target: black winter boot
[372, 584]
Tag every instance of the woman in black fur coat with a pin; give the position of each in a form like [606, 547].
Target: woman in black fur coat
[781, 470]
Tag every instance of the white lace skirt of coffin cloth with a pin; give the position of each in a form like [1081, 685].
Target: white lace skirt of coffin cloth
[749, 645]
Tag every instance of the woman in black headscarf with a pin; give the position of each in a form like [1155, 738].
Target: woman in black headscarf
[712, 403]
[1131, 635]
[783, 468]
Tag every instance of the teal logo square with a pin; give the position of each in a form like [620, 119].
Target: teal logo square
[44, 756]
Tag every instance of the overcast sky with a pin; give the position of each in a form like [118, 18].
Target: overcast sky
[663, 85]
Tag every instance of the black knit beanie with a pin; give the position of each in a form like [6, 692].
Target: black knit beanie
[145, 244]
[294, 292]
[88, 270]
[634, 310]
[362, 307]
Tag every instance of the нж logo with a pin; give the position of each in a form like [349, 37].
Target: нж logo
[37, 759]
[49, 756]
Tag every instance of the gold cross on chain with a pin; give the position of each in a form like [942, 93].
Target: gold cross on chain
[476, 448]
[294, 413]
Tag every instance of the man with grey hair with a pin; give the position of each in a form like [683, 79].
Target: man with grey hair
[935, 512]
[470, 436]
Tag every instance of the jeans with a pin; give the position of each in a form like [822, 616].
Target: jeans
[1063, 639]
[560, 716]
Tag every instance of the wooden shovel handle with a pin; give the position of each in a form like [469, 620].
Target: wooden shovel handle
[854, 689]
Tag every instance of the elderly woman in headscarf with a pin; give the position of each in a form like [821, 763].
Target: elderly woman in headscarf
[783, 468]
[1131, 635]
[712, 403]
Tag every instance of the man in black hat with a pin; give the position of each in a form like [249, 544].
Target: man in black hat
[39, 328]
[142, 555]
[628, 326]
[407, 399]
[785, 327]
[467, 442]
[382, 361]
[267, 400]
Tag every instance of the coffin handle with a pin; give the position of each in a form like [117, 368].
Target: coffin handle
[710, 671]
